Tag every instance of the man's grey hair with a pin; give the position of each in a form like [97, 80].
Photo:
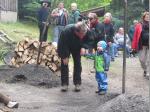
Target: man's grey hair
[82, 26]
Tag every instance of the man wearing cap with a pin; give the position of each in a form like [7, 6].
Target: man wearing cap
[73, 40]
[43, 13]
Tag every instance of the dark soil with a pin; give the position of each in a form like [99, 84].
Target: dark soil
[30, 74]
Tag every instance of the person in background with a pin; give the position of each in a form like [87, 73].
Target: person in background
[43, 14]
[98, 31]
[119, 42]
[73, 40]
[132, 29]
[100, 61]
[109, 34]
[74, 15]
[140, 42]
[11, 104]
[60, 18]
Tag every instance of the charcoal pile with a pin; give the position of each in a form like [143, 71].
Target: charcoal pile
[30, 74]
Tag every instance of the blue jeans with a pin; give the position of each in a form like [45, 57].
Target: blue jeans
[102, 81]
[107, 61]
[111, 50]
[118, 46]
[57, 30]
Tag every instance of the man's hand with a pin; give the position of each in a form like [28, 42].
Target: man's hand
[45, 23]
[66, 61]
[82, 51]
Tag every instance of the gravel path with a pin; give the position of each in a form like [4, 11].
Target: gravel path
[39, 99]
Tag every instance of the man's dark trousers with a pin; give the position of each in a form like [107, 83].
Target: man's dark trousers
[41, 28]
[77, 70]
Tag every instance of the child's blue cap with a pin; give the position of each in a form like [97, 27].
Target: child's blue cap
[102, 44]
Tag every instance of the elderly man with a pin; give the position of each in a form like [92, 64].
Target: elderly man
[74, 15]
[109, 34]
[73, 39]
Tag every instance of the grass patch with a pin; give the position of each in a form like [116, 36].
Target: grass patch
[20, 30]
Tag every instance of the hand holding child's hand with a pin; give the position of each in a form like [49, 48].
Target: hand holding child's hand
[99, 49]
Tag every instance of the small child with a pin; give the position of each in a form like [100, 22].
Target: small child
[100, 58]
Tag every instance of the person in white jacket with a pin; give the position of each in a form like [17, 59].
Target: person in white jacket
[119, 41]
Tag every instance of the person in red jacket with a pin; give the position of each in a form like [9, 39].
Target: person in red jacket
[140, 42]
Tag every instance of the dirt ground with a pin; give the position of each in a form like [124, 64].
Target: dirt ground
[39, 99]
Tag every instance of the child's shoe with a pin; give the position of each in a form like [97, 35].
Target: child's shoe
[102, 92]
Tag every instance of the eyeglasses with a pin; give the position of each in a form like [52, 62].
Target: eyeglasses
[90, 19]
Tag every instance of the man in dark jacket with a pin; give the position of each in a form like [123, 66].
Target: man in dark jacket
[109, 34]
[43, 13]
[73, 40]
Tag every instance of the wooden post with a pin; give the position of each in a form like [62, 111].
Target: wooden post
[124, 53]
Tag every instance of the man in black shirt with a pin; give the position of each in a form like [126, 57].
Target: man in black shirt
[74, 39]
[43, 14]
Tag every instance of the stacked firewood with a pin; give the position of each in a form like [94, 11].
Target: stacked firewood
[26, 52]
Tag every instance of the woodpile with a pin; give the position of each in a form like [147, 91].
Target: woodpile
[26, 52]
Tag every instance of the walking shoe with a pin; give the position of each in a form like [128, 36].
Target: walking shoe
[144, 74]
[147, 76]
[64, 88]
[77, 88]
[13, 104]
[112, 59]
[97, 91]
[106, 69]
[116, 55]
[102, 92]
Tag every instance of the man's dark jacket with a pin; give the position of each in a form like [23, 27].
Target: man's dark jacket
[70, 43]
[109, 32]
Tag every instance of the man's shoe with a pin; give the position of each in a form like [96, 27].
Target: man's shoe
[13, 104]
[64, 88]
[77, 88]
[102, 92]
[147, 76]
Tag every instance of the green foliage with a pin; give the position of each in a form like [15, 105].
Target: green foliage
[28, 8]
[3, 51]
[134, 11]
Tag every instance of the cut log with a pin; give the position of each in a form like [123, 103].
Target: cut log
[27, 53]
[19, 53]
[36, 44]
[20, 48]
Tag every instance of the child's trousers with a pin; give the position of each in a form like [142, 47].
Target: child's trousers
[101, 78]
